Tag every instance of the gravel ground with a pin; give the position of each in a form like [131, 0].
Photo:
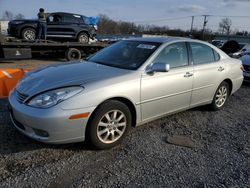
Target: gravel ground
[219, 157]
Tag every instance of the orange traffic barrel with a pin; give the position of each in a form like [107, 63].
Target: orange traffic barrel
[9, 79]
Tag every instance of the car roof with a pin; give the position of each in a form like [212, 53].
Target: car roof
[67, 13]
[160, 39]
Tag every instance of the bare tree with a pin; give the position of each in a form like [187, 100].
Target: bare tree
[19, 16]
[225, 26]
[7, 15]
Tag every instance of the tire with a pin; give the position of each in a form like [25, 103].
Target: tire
[220, 97]
[73, 54]
[109, 124]
[29, 34]
[83, 38]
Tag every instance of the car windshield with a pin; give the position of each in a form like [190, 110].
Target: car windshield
[125, 54]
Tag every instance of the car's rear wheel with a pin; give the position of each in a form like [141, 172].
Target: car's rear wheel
[109, 124]
[83, 38]
[29, 34]
[221, 96]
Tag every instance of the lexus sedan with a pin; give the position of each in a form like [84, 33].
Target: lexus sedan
[127, 84]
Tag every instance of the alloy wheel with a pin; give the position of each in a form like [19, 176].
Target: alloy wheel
[111, 126]
[221, 96]
[29, 35]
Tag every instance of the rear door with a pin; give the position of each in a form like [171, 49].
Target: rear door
[208, 72]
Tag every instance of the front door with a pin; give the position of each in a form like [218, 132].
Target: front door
[165, 92]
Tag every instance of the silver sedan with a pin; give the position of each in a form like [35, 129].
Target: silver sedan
[126, 84]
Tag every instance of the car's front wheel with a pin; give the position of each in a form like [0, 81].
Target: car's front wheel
[29, 34]
[109, 124]
[220, 96]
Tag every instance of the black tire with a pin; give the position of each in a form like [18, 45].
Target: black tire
[28, 34]
[73, 54]
[83, 38]
[215, 105]
[95, 126]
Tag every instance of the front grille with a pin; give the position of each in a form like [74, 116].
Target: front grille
[246, 68]
[21, 97]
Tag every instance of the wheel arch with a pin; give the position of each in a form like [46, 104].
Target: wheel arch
[25, 27]
[230, 84]
[125, 101]
[82, 31]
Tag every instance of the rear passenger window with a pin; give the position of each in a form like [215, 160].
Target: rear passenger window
[175, 55]
[202, 53]
[70, 18]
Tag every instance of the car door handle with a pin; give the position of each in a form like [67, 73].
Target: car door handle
[188, 74]
[221, 69]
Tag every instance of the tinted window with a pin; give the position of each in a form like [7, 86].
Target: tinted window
[71, 18]
[125, 54]
[202, 53]
[175, 55]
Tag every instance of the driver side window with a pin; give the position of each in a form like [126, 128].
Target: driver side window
[175, 55]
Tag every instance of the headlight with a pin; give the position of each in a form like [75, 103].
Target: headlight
[53, 97]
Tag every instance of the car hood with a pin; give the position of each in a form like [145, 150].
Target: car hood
[25, 20]
[72, 74]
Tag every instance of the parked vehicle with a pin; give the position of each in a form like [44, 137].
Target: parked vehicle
[127, 84]
[246, 64]
[218, 43]
[245, 50]
[60, 25]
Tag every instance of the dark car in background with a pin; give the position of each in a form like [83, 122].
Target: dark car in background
[246, 64]
[60, 25]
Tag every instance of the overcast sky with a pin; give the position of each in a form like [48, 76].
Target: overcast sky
[156, 12]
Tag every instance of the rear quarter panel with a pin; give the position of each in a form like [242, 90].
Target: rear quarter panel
[234, 72]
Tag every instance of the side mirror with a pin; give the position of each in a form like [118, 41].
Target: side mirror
[158, 67]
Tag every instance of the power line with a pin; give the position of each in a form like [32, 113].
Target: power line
[163, 19]
[185, 17]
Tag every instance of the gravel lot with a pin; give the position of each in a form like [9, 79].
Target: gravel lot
[220, 156]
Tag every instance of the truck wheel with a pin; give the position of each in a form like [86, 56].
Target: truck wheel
[73, 54]
[83, 38]
[29, 34]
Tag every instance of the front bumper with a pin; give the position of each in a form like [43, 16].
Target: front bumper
[13, 31]
[50, 125]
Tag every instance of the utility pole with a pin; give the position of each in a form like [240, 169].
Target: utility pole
[204, 25]
[192, 25]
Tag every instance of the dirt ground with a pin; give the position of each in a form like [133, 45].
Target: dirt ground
[219, 156]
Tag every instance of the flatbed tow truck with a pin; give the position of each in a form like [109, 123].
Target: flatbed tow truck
[12, 48]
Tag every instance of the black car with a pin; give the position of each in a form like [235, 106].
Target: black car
[59, 24]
